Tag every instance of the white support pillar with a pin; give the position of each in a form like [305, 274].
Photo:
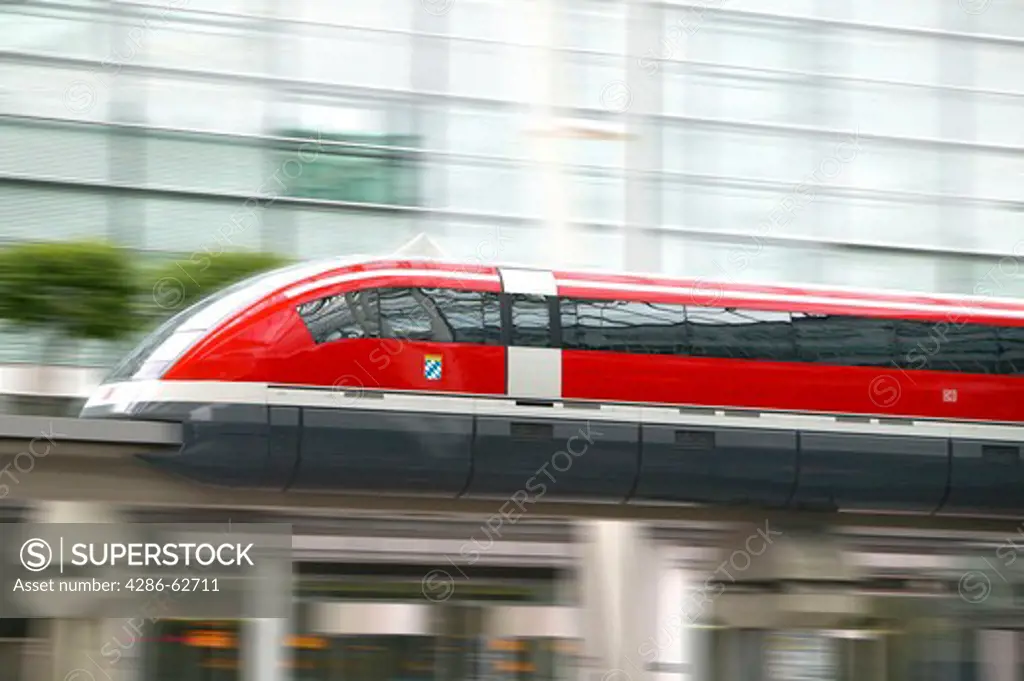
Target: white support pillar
[91, 648]
[697, 651]
[671, 650]
[95, 650]
[265, 653]
[997, 655]
[627, 584]
[75, 645]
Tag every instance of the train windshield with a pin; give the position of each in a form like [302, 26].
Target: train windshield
[155, 353]
[133, 361]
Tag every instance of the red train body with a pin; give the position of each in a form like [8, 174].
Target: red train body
[412, 376]
[267, 342]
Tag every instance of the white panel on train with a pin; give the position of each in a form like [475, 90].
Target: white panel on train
[533, 372]
[537, 282]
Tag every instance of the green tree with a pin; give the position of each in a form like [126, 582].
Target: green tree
[69, 292]
[173, 286]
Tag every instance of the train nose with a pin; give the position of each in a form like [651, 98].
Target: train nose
[104, 403]
[134, 400]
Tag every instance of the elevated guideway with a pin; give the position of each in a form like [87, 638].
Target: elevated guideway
[41, 437]
[94, 461]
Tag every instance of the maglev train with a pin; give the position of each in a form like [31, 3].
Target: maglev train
[416, 376]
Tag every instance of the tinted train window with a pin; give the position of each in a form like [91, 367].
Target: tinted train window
[914, 340]
[408, 314]
[970, 348]
[347, 315]
[531, 321]
[851, 341]
[439, 315]
[470, 316]
[739, 334]
[948, 346]
[1011, 350]
[445, 315]
[623, 326]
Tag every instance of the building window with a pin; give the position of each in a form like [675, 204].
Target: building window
[376, 169]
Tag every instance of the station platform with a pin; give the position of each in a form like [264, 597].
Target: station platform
[416, 598]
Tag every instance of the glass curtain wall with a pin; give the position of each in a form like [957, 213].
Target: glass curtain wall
[848, 142]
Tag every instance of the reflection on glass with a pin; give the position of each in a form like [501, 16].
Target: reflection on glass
[183, 650]
[534, 659]
[456, 647]
[210, 651]
[194, 651]
[380, 658]
[800, 656]
[531, 324]
[467, 653]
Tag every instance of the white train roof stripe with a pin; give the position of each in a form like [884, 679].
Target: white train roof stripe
[299, 289]
[121, 396]
[705, 289]
[709, 293]
[568, 277]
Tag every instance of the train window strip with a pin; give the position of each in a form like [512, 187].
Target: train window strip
[531, 319]
[450, 315]
[735, 333]
[415, 314]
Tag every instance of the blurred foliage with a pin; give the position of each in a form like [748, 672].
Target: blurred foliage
[72, 291]
[173, 286]
[76, 291]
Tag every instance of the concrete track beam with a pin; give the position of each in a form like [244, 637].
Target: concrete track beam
[128, 482]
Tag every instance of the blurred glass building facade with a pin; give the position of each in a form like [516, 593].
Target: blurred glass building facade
[854, 142]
